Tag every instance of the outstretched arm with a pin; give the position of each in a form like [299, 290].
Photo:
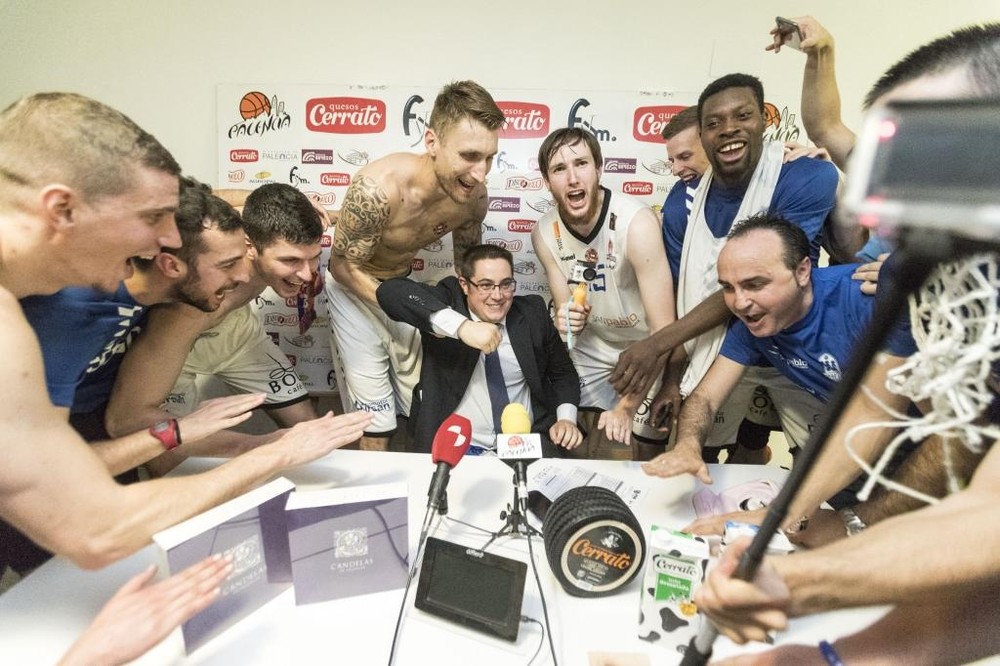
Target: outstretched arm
[834, 468]
[363, 218]
[151, 367]
[141, 614]
[656, 291]
[820, 97]
[908, 559]
[58, 492]
[643, 361]
[695, 421]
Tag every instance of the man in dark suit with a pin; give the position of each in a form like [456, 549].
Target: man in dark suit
[474, 330]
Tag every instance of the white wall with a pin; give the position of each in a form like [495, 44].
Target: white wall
[159, 62]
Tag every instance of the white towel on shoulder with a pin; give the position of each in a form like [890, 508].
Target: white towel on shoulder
[699, 278]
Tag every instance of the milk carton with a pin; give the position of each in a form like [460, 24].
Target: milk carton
[676, 567]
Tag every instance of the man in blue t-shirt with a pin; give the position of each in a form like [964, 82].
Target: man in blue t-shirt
[748, 176]
[803, 321]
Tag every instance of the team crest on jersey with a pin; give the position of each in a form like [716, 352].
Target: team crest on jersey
[831, 369]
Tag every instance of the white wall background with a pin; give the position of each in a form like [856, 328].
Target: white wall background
[159, 62]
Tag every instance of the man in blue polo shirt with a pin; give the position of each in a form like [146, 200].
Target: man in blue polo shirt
[803, 321]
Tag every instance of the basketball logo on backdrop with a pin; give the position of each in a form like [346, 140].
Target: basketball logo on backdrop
[260, 115]
[779, 125]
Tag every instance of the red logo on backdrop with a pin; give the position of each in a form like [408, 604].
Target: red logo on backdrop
[520, 226]
[417, 264]
[649, 121]
[326, 199]
[243, 155]
[335, 179]
[510, 245]
[522, 183]
[292, 301]
[345, 115]
[637, 187]
[525, 120]
[326, 241]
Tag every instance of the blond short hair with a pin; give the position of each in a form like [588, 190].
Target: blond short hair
[77, 141]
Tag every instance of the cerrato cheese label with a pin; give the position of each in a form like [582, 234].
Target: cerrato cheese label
[600, 555]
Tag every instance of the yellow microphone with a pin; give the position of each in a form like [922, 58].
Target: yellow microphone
[514, 420]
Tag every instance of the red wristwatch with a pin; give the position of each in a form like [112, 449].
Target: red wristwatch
[167, 432]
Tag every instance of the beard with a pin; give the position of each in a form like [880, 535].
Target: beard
[190, 292]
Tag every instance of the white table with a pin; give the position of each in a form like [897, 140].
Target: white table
[41, 616]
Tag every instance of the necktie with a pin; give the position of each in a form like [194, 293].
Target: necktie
[497, 387]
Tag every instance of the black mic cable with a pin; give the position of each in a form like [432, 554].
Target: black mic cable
[541, 596]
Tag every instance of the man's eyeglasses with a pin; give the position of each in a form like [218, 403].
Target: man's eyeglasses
[486, 287]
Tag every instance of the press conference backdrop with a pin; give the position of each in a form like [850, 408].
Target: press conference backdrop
[316, 137]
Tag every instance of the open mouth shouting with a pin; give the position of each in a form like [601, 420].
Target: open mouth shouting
[753, 321]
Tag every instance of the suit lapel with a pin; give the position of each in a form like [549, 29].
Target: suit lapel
[520, 340]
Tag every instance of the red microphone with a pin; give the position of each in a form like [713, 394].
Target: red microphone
[451, 441]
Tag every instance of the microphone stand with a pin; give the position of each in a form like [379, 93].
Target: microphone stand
[515, 519]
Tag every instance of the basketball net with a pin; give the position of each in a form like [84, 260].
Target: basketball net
[956, 324]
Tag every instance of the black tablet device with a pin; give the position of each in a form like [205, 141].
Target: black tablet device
[478, 590]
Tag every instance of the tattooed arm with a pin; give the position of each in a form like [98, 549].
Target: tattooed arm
[359, 230]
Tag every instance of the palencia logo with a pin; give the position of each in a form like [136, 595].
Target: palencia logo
[637, 187]
[260, 115]
[525, 120]
[243, 155]
[345, 115]
[648, 122]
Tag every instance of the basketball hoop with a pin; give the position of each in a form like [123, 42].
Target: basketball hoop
[956, 324]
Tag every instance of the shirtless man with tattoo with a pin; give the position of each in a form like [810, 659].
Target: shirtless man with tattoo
[395, 206]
